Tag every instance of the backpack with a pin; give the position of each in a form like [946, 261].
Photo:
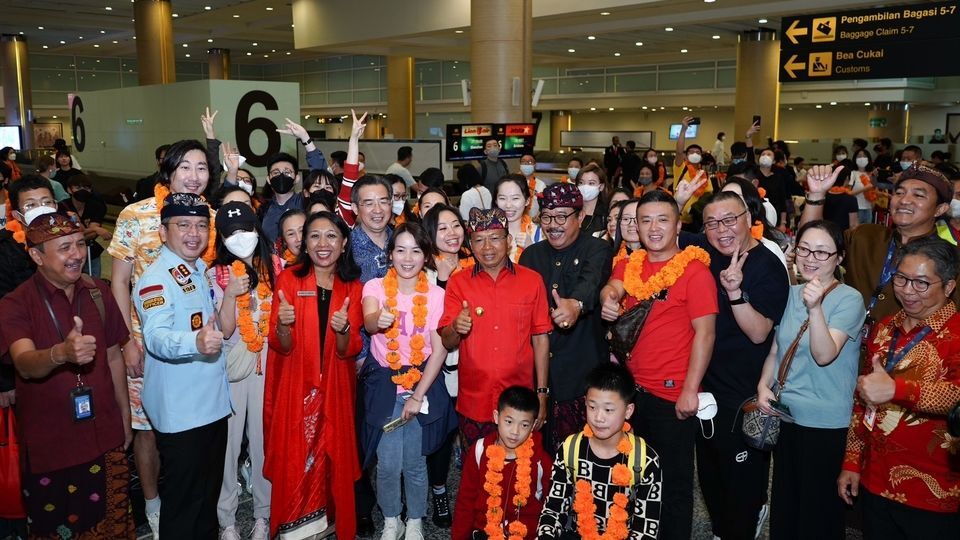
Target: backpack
[571, 454]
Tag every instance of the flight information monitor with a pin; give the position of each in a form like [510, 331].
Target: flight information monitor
[465, 141]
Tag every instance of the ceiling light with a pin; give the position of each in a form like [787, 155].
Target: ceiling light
[762, 21]
[54, 117]
[292, 26]
[591, 38]
[819, 106]
[115, 42]
[269, 9]
[108, 8]
[709, 1]
[175, 15]
[616, 54]
[184, 45]
[266, 56]
[45, 47]
[668, 29]
[716, 37]
[103, 31]
[593, 108]
[187, 55]
[96, 46]
[604, 13]
[571, 50]
[458, 31]
[235, 16]
[80, 37]
[249, 54]
[273, 50]
[254, 43]
[662, 108]
[683, 108]
[289, 53]
[209, 40]
[62, 42]
[683, 51]
[790, 108]
[644, 107]
[610, 109]
[39, 28]
[639, 44]
[867, 103]
[208, 8]
[833, 102]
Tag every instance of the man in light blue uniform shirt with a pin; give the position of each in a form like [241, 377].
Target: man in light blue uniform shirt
[185, 390]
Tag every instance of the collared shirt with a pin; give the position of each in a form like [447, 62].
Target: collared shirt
[275, 210]
[908, 456]
[577, 272]
[372, 260]
[182, 388]
[50, 436]
[507, 312]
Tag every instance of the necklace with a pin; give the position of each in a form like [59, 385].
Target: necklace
[252, 333]
[496, 460]
[664, 278]
[391, 287]
[586, 508]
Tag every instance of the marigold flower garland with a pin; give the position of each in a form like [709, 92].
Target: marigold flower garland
[496, 459]
[417, 342]
[160, 193]
[621, 255]
[642, 289]
[252, 334]
[586, 508]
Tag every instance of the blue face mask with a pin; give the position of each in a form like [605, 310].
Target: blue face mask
[737, 161]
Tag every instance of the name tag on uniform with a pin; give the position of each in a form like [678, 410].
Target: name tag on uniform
[306, 293]
[870, 417]
[82, 398]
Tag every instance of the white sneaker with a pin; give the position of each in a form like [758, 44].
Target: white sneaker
[761, 519]
[414, 529]
[229, 533]
[260, 530]
[154, 521]
[392, 529]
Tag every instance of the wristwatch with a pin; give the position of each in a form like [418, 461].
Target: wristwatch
[818, 202]
[744, 299]
[580, 305]
[543, 390]
[308, 141]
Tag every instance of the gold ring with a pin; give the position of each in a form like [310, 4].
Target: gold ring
[564, 324]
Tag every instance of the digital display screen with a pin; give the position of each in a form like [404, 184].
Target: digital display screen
[10, 136]
[691, 131]
[465, 141]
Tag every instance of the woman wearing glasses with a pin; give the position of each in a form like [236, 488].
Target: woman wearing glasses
[900, 460]
[818, 394]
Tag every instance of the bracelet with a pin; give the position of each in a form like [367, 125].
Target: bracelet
[818, 202]
[54, 362]
[543, 390]
[345, 330]
[306, 142]
[415, 398]
[282, 334]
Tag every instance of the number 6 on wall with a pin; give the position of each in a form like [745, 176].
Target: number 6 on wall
[76, 123]
[245, 126]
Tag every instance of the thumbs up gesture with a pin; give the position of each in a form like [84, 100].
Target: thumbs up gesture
[339, 321]
[813, 293]
[876, 387]
[285, 313]
[78, 347]
[567, 311]
[237, 285]
[209, 338]
[609, 304]
[463, 323]
[386, 318]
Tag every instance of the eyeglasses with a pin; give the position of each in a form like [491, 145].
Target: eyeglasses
[399, 197]
[628, 220]
[484, 240]
[186, 226]
[559, 219]
[728, 222]
[278, 172]
[45, 202]
[919, 285]
[818, 255]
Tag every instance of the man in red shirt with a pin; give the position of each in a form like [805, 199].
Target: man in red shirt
[673, 348]
[498, 316]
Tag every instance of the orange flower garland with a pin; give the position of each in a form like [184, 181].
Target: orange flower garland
[757, 230]
[417, 342]
[586, 508]
[288, 256]
[664, 278]
[252, 334]
[160, 193]
[496, 458]
[621, 255]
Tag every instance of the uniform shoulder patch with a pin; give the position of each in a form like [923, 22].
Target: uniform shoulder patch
[153, 302]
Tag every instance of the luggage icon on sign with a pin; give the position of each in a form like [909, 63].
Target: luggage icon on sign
[824, 29]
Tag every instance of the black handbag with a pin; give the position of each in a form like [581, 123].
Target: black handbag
[626, 329]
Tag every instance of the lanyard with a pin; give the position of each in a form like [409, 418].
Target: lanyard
[885, 276]
[56, 323]
[893, 357]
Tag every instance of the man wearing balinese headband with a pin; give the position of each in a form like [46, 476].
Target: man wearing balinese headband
[920, 200]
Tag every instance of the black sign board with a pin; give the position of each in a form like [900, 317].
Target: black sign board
[465, 141]
[900, 41]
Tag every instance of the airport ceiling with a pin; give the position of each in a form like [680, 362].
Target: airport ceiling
[259, 31]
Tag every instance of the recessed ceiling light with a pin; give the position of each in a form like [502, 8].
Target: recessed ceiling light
[593, 108]
[683, 108]
[39, 28]
[591, 38]
[209, 40]
[819, 106]
[662, 108]
[236, 16]
[833, 102]
[249, 54]
[62, 42]
[458, 31]
[45, 47]
[108, 8]
[103, 31]
[644, 107]
[269, 9]
[184, 45]
[683, 51]
[709, 1]
[80, 37]
[867, 103]
[208, 8]
[293, 26]
[571, 50]
[716, 37]
[254, 43]
[616, 54]
[96, 46]
[610, 109]
[604, 13]
[54, 117]
[639, 44]
[789, 108]
[115, 42]
[266, 56]
[762, 21]
[273, 50]
[668, 29]
[289, 53]
[187, 55]
[175, 15]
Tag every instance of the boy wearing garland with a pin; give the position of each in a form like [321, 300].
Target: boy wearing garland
[505, 475]
[607, 482]
[673, 347]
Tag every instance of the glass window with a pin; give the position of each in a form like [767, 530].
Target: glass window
[51, 61]
[91, 80]
[366, 78]
[454, 71]
[428, 93]
[452, 91]
[313, 99]
[581, 85]
[366, 96]
[727, 78]
[686, 80]
[46, 79]
[98, 64]
[273, 71]
[247, 71]
[365, 61]
[340, 97]
[641, 82]
[129, 79]
[314, 82]
[58, 99]
[544, 72]
[315, 64]
[339, 62]
[126, 64]
[427, 73]
[339, 80]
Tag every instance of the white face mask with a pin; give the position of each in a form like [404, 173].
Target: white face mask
[765, 161]
[955, 208]
[906, 164]
[862, 162]
[706, 410]
[493, 153]
[242, 244]
[589, 192]
[398, 207]
[572, 172]
[527, 170]
[34, 213]
[246, 186]
[652, 160]
[694, 158]
[841, 157]
[361, 166]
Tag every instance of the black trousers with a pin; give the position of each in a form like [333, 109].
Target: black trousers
[806, 464]
[655, 419]
[192, 463]
[884, 519]
[733, 477]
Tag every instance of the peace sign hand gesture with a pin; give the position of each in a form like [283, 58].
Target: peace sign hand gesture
[820, 178]
[732, 276]
[358, 125]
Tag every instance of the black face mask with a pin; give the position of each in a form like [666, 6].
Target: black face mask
[82, 195]
[281, 184]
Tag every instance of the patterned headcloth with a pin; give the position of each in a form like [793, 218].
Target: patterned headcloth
[50, 226]
[561, 195]
[184, 204]
[486, 220]
[935, 178]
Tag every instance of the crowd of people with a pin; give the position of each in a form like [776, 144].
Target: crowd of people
[584, 347]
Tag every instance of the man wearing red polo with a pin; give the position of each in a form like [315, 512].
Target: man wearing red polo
[498, 316]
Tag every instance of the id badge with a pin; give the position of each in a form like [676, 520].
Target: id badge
[82, 398]
[870, 417]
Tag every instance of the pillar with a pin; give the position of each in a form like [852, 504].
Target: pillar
[887, 120]
[154, 30]
[15, 79]
[758, 86]
[400, 118]
[501, 50]
[559, 121]
[218, 63]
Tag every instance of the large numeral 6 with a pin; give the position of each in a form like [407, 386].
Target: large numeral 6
[245, 126]
[79, 131]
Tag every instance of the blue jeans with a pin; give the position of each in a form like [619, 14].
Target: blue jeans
[865, 215]
[400, 452]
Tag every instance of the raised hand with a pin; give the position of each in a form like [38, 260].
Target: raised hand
[609, 306]
[231, 158]
[820, 178]
[294, 129]
[237, 285]
[386, 318]
[285, 313]
[463, 323]
[732, 276]
[206, 120]
[686, 189]
[209, 339]
[339, 321]
[876, 387]
[813, 293]
[753, 129]
[567, 311]
[686, 122]
[358, 125]
[79, 348]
